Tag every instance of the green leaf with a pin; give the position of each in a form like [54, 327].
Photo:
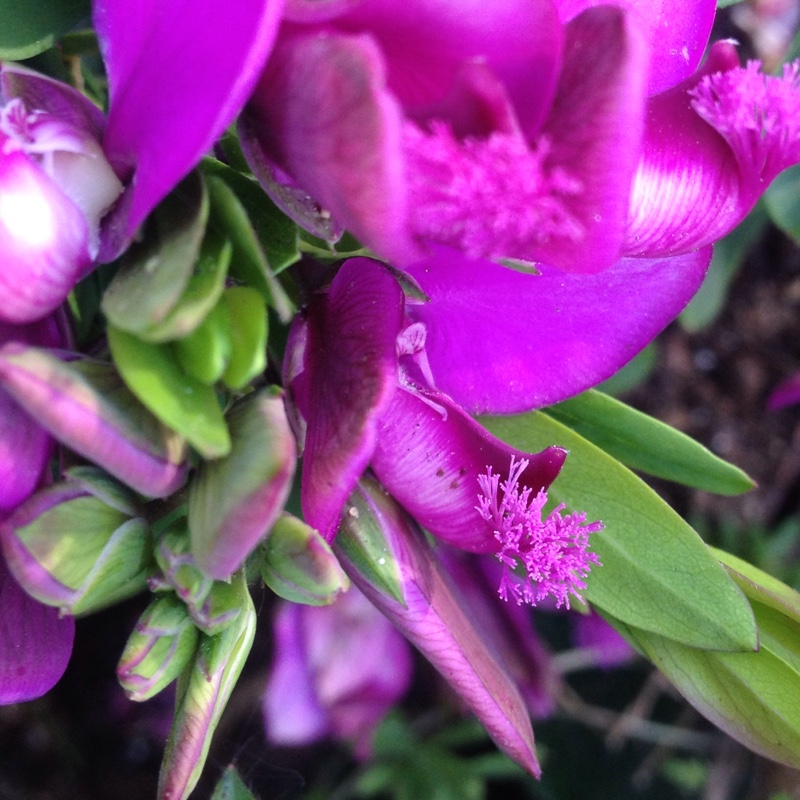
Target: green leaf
[657, 573]
[180, 401]
[782, 200]
[154, 273]
[30, 28]
[753, 697]
[251, 264]
[648, 445]
[231, 787]
[206, 351]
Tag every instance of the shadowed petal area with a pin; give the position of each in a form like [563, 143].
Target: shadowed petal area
[425, 42]
[429, 455]
[500, 341]
[322, 112]
[35, 643]
[350, 374]
[711, 147]
[434, 621]
[677, 30]
[44, 240]
[179, 72]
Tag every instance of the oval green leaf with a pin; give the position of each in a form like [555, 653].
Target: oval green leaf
[648, 445]
[30, 28]
[657, 573]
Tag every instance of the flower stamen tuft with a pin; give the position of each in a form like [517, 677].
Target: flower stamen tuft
[553, 550]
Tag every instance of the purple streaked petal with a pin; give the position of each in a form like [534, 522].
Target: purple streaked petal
[322, 113]
[179, 72]
[711, 147]
[429, 454]
[435, 622]
[677, 32]
[35, 643]
[507, 628]
[500, 341]
[44, 240]
[607, 648]
[350, 375]
[786, 394]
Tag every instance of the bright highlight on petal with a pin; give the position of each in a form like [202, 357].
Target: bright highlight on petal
[28, 213]
[553, 550]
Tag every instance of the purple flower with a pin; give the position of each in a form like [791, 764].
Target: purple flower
[35, 641]
[786, 394]
[338, 670]
[64, 165]
[531, 133]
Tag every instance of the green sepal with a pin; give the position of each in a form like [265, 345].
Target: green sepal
[298, 564]
[656, 572]
[80, 554]
[205, 352]
[161, 645]
[30, 28]
[180, 401]
[251, 264]
[203, 692]
[155, 272]
[648, 445]
[231, 787]
[362, 541]
[201, 295]
[249, 330]
[105, 488]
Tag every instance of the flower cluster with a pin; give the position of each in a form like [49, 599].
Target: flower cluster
[529, 197]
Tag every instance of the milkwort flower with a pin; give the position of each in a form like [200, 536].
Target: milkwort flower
[74, 188]
[533, 135]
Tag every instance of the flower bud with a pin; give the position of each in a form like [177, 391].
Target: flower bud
[234, 501]
[299, 565]
[159, 648]
[206, 688]
[78, 546]
[212, 605]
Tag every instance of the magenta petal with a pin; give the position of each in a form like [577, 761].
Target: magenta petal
[500, 341]
[179, 72]
[35, 643]
[350, 375]
[323, 114]
[786, 394]
[292, 712]
[40, 93]
[433, 620]
[429, 454]
[43, 241]
[677, 32]
[595, 131]
[426, 42]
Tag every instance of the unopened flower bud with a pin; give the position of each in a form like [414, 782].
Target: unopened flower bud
[159, 648]
[299, 565]
[235, 500]
[77, 546]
